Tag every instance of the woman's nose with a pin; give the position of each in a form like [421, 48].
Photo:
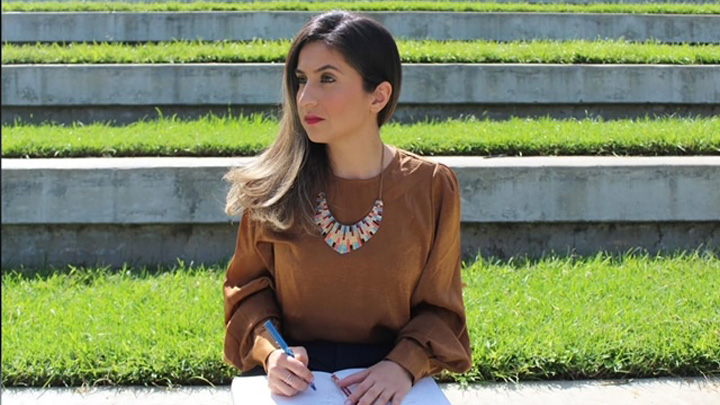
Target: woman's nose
[306, 96]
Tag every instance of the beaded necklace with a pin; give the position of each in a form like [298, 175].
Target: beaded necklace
[344, 238]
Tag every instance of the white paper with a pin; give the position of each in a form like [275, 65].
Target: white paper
[255, 391]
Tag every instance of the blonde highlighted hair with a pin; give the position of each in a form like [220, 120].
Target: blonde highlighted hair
[278, 187]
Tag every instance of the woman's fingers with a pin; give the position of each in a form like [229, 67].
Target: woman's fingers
[355, 378]
[287, 375]
[301, 354]
[371, 395]
[296, 382]
[359, 392]
[280, 387]
[384, 398]
[300, 370]
[382, 383]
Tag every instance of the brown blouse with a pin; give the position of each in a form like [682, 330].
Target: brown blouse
[401, 286]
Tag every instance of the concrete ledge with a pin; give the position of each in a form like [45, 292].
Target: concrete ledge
[506, 190]
[430, 84]
[147, 211]
[39, 246]
[241, 26]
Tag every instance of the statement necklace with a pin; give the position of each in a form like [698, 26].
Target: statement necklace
[346, 238]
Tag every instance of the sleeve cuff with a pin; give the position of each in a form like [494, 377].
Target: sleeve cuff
[412, 357]
[262, 347]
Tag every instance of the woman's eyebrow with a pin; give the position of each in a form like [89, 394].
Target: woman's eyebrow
[326, 67]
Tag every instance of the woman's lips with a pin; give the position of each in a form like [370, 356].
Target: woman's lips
[310, 120]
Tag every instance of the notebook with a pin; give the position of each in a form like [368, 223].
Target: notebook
[255, 391]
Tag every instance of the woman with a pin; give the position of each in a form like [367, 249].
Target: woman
[350, 246]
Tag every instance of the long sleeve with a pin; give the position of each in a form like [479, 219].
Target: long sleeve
[249, 299]
[436, 336]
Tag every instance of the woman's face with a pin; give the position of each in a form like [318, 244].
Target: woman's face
[332, 103]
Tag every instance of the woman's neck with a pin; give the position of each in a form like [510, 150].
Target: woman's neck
[358, 158]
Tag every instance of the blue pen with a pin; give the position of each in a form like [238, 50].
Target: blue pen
[280, 341]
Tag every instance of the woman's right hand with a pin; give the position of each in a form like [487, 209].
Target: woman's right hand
[286, 375]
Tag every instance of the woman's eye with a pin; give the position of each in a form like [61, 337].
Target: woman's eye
[323, 79]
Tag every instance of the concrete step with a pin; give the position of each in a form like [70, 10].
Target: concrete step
[505, 189]
[32, 27]
[154, 210]
[124, 92]
[656, 391]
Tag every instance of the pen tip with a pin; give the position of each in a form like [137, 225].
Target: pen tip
[313, 387]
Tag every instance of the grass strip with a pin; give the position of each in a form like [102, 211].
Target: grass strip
[604, 316]
[450, 6]
[594, 318]
[247, 136]
[424, 51]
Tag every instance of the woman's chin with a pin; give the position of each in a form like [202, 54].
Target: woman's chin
[316, 138]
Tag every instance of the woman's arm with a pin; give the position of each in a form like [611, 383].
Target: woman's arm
[249, 301]
[436, 336]
[249, 298]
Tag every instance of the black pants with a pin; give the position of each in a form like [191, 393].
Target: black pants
[332, 356]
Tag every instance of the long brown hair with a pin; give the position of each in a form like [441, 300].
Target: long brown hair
[277, 187]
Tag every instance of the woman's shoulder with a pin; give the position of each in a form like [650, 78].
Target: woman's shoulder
[412, 164]
[417, 177]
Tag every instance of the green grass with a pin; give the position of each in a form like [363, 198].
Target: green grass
[595, 318]
[556, 318]
[535, 51]
[103, 327]
[669, 8]
[223, 136]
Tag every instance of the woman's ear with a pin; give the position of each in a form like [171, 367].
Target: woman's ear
[381, 96]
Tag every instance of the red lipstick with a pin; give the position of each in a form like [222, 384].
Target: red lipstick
[312, 119]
